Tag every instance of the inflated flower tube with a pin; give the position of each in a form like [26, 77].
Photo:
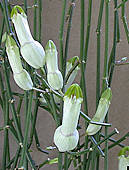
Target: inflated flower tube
[21, 76]
[123, 158]
[54, 76]
[31, 50]
[101, 112]
[66, 136]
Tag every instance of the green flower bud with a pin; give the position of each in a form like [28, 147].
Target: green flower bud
[23, 80]
[13, 55]
[31, 50]
[54, 76]
[123, 159]
[69, 65]
[101, 112]
[66, 136]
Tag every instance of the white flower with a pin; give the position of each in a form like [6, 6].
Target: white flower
[54, 76]
[31, 50]
[23, 80]
[123, 160]
[101, 112]
[66, 136]
[21, 76]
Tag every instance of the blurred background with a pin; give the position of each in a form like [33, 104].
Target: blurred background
[119, 109]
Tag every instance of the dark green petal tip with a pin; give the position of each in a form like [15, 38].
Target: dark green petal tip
[10, 41]
[107, 94]
[74, 90]
[73, 60]
[16, 9]
[123, 151]
[50, 46]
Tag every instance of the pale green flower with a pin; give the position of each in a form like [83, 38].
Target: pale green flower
[23, 80]
[101, 112]
[123, 159]
[31, 50]
[66, 136]
[21, 76]
[54, 76]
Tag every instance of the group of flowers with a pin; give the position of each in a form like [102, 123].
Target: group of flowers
[66, 136]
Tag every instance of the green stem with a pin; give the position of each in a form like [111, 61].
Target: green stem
[125, 21]
[25, 6]
[40, 19]
[61, 34]
[60, 155]
[24, 149]
[12, 103]
[98, 31]
[16, 158]
[35, 19]
[66, 161]
[6, 139]
[68, 36]
[113, 56]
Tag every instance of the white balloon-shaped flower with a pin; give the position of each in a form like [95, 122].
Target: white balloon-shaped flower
[54, 76]
[21, 76]
[66, 136]
[101, 112]
[123, 159]
[31, 50]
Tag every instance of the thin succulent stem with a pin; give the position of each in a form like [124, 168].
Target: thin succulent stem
[6, 139]
[118, 28]
[113, 56]
[39, 19]
[54, 110]
[98, 32]
[113, 140]
[61, 37]
[25, 6]
[16, 157]
[34, 119]
[119, 141]
[2, 29]
[105, 75]
[25, 141]
[7, 20]
[35, 20]
[123, 16]
[19, 133]
[72, 4]
[66, 161]
[88, 31]
[60, 160]
[97, 146]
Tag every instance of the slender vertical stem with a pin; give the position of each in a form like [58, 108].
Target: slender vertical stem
[24, 149]
[98, 31]
[60, 157]
[25, 6]
[61, 37]
[114, 44]
[6, 142]
[125, 21]
[40, 19]
[88, 30]
[12, 104]
[35, 19]
[105, 75]
[66, 161]
[70, 14]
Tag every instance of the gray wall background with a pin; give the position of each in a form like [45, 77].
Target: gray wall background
[119, 109]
